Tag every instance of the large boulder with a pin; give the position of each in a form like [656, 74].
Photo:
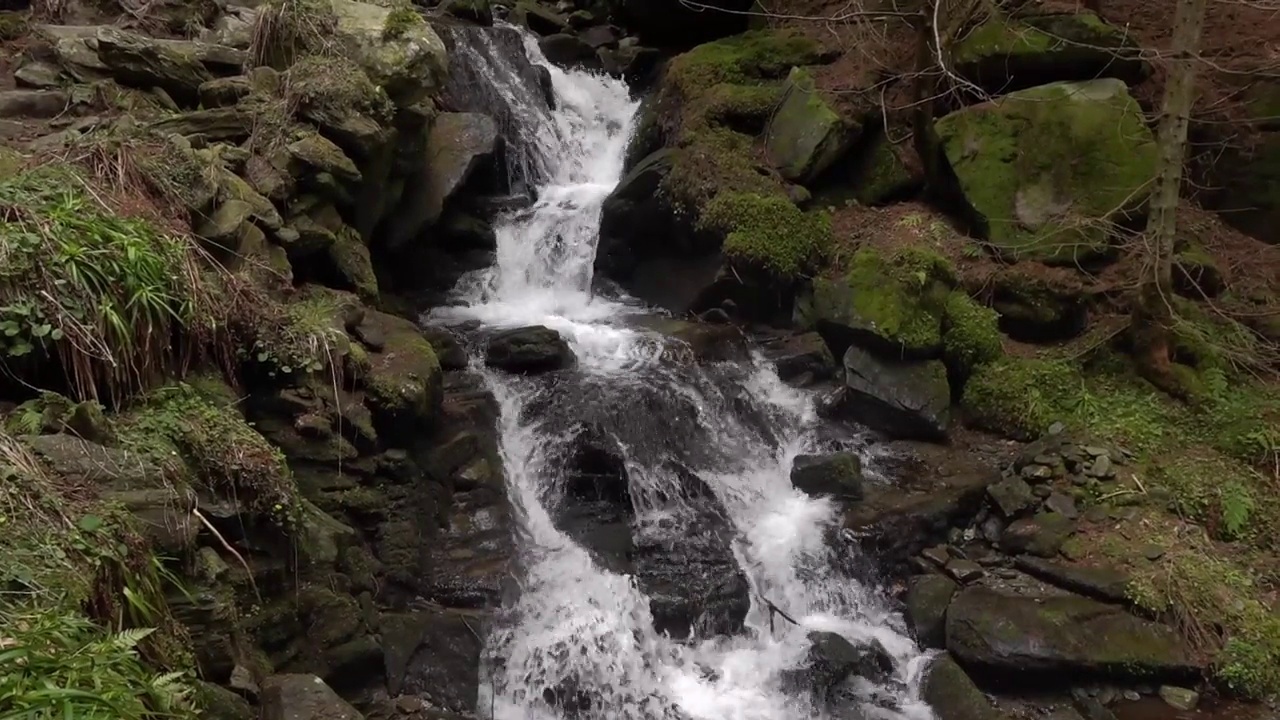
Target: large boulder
[1005, 54]
[528, 351]
[399, 53]
[303, 697]
[832, 659]
[1044, 170]
[673, 23]
[140, 61]
[953, 695]
[908, 400]
[836, 474]
[928, 597]
[806, 135]
[404, 382]
[1010, 636]
[457, 145]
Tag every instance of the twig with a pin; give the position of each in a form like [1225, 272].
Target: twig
[225, 544]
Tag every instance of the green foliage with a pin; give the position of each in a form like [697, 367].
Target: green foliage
[114, 299]
[306, 338]
[1020, 397]
[58, 664]
[970, 334]
[335, 86]
[769, 232]
[227, 455]
[1205, 591]
[401, 20]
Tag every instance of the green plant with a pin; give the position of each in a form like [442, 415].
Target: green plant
[115, 300]
[288, 29]
[58, 664]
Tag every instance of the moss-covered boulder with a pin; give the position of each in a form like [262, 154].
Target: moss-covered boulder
[1036, 306]
[1011, 636]
[404, 383]
[806, 134]
[1045, 170]
[928, 597]
[137, 60]
[665, 224]
[1251, 198]
[1020, 397]
[1005, 54]
[894, 305]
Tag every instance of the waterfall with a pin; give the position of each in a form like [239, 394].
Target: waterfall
[579, 640]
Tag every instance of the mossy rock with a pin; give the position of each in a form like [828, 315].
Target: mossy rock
[404, 382]
[1044, 170]
[806, 134]
[13, 25]
[1196, 273]
[1037, 308]
[748, 58]
[1004, 54]
[952, 693]
[880, 174]
[350, 266]
[970, 335]
[768, 232]
[894, 306]
[1011, 637]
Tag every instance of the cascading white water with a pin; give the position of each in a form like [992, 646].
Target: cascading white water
[578, 626]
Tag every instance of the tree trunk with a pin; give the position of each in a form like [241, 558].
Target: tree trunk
[1153, 311]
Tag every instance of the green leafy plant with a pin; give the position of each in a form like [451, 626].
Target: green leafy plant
[58, 664]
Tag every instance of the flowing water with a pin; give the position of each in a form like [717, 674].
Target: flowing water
[580, 627]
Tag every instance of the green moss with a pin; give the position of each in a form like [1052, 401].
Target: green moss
[739, 106]
[227, 455]
[900, 299]
[742, 59]
[768, 232]
[308, 337]
[970, 334]
[1209, 589]
[1045, 168]
[713, 160]
[883, 174]
[14, 25]
[401, 20]
[1070, 36]
[1020, 397]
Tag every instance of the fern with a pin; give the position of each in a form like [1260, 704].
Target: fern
[1237, 506]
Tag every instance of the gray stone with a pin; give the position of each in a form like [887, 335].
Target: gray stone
[33, 103]
[1179, 698]
[1012, 497]
[937, 555]
[39, 75]
[965, 571]
[806, 135]
[1042, 535]
[836, 474]
[1012, 636]
[1037, 473]
[908, 400]
[1063, 505]
[953, 695]
[303, 697]
[457, 144]
[1100, 583]
[528, 351]
[1101, 468]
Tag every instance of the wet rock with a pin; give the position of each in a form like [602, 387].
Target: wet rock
[1014, 637]
[435, 654]
[1100, 583]
[953, 695]
[1012, 497]
[409, 65]
[541, 20]
[477, 11]
[1063, 505]
[529, 351]
[1179, 698]
[596, 468]
[404, 382]
[1042, 535]
[457, 146]
[836, 474]
[219, 703]
[908, 400]
[926, 608]
[303, 697]
[567, 50]
[702, 341]
[797, 356]
[832, 659]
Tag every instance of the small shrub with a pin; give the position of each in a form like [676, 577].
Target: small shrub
[400, 21]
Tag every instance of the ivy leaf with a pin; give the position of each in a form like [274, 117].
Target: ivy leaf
[41, 330]
[56, 334]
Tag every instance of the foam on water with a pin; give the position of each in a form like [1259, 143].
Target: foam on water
[577, 622]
